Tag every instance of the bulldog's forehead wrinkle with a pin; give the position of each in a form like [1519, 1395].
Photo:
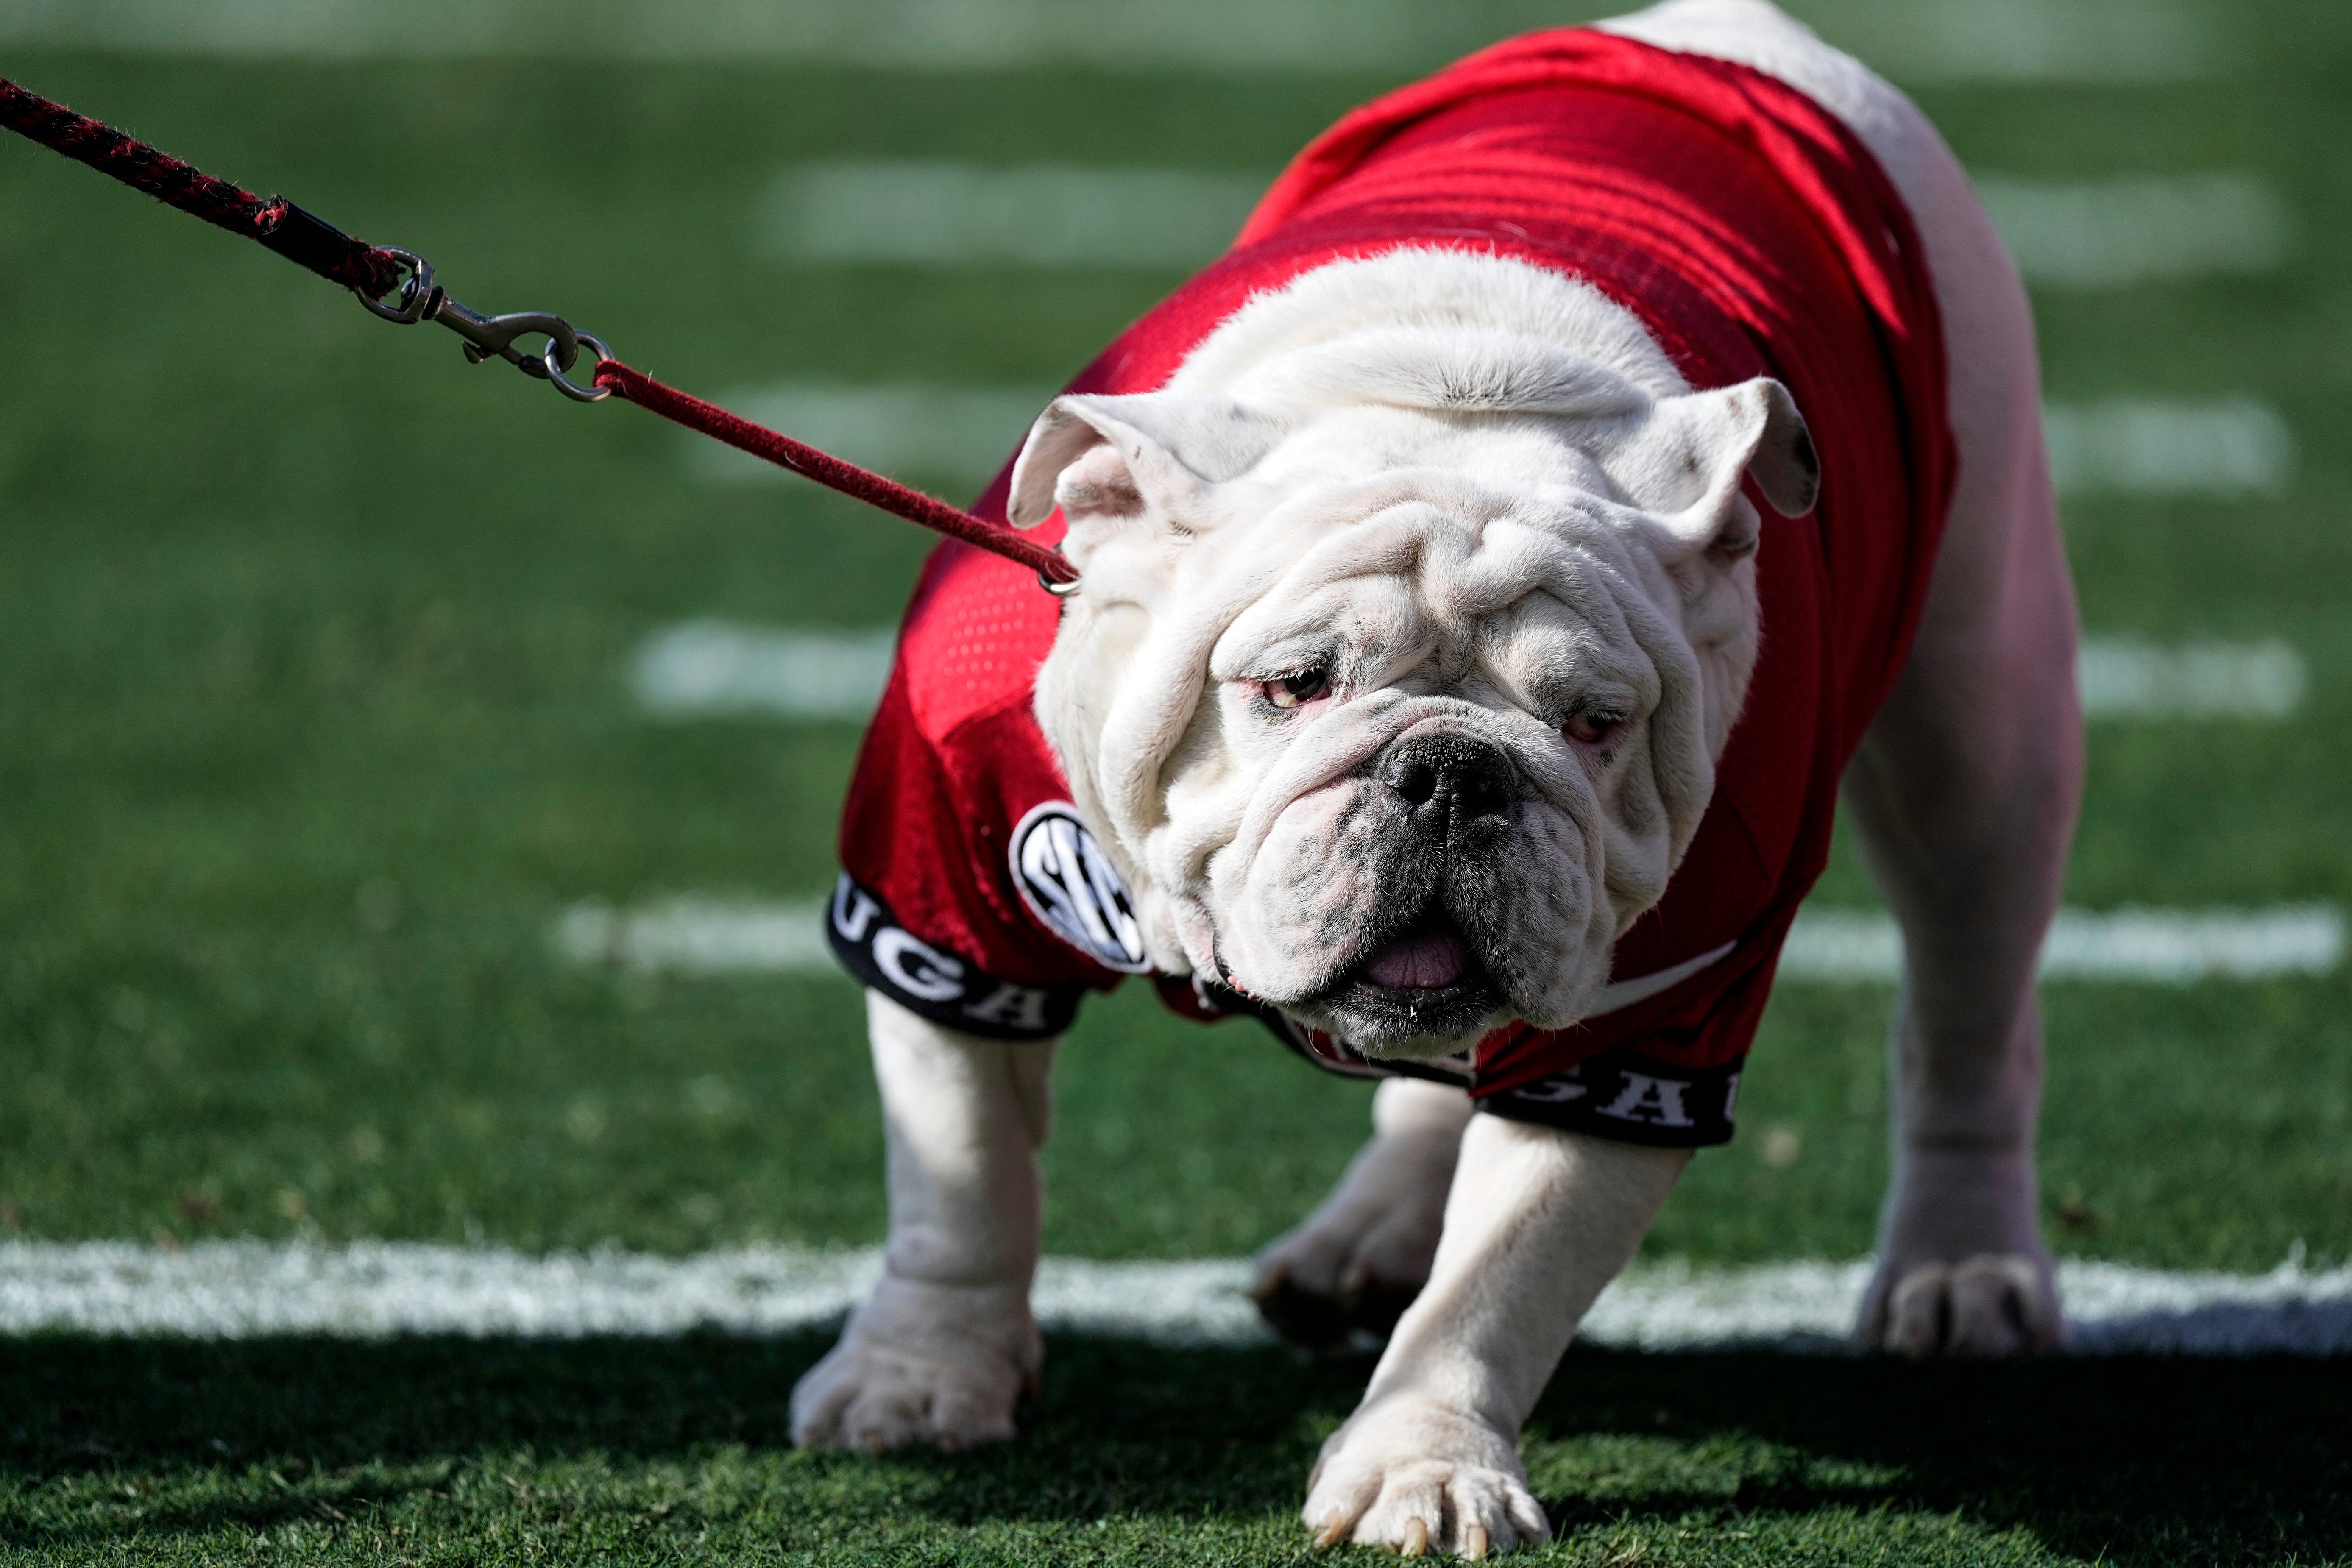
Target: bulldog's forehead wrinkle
[1477, 685]
[1356, 623]
[1614, 602]
[1547, 652]
[1344, 497]
[1399, 540]
[1353, 497]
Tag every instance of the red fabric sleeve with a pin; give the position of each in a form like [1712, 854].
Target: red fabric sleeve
[929, 910]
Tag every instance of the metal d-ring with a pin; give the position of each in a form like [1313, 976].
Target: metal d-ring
[578, 393]
[1068, 590]
[416, 290]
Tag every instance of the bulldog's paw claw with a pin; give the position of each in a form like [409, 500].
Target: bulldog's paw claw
[1418, 1479]
[1993, 1304]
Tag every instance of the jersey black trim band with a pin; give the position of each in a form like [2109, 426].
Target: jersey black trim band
[944, 987]
[1619, 1095]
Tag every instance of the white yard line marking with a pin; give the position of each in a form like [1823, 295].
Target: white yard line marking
[1039, 214]
[2122, 678]
[2025, 40]
[2108, 234]
[911, 429]
[2230, 446]
[1126, 35]
[2096, 233]
[2113, 1308]
[245, 1289]
[704, 669]
[1938, 40]
[700, 936]
[2226, 447]
[2163, 947]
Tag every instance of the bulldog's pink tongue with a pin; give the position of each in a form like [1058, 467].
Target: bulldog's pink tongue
[1422, 961]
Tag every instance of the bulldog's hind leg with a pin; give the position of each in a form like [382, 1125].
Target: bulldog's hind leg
[1965, 789]
[1359, 1260]
[1964, 793]
[943, 1349]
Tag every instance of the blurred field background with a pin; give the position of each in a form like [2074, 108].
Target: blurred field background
[317, 716]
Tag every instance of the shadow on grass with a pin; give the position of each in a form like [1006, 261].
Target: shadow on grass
[2137, 1461]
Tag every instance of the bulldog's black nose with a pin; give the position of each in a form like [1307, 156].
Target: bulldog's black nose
[1466, 778]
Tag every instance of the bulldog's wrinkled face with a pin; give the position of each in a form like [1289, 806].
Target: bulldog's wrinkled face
[1397, 716]
[1427, 774]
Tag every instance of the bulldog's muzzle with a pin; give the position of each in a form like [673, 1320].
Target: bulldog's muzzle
[1421, 974]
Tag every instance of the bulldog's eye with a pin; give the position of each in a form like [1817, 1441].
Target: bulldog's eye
[1298, 690]
[1594, 729]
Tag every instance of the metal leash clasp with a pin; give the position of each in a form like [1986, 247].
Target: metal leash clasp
[486, 337]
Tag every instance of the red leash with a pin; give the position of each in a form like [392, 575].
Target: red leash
[372, 271]
[829, 471]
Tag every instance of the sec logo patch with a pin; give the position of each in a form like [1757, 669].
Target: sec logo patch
[1070, 885]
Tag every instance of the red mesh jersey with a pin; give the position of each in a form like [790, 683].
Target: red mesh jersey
[1753, 234]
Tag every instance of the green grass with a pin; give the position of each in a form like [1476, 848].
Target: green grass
[311, 719]
[436, 1451]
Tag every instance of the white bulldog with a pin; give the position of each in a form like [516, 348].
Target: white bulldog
[1415, 613]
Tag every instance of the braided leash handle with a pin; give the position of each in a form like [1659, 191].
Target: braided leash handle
[276, 222]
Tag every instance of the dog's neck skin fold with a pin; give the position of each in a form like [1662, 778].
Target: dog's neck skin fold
[1416, 612]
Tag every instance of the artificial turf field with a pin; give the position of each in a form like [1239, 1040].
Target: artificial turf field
[312, 718]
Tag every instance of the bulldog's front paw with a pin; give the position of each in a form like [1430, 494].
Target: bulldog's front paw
[943, 1364]
[1359, 1260]
[1961, 1268]
[1412, 1476]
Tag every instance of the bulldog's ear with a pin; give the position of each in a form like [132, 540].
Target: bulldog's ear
[1710, 441]
[1117, 457]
